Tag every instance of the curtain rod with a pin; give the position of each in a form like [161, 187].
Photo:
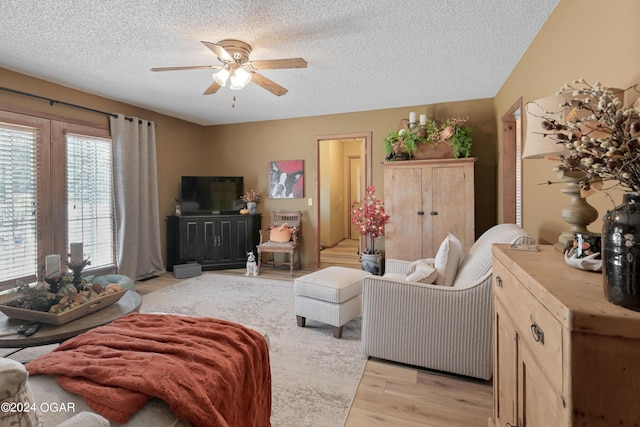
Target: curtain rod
[68, 104]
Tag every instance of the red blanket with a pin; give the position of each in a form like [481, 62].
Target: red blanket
[211, 372]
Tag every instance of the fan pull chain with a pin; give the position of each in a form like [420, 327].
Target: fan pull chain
[233, 104]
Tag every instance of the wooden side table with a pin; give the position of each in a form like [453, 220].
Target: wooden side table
[53, 334]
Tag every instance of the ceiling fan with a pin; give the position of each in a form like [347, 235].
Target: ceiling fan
[238, 69]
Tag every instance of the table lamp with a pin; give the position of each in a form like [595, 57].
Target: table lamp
[541, 144]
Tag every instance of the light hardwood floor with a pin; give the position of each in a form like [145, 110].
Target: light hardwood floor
[389, 394]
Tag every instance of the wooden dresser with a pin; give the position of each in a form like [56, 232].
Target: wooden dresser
[563, 355]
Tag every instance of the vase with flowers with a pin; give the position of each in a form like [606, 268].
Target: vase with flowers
[251, 197]
[601, 138]
[369, 216]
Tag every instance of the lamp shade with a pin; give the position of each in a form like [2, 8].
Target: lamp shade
[239, 79]
[538, 142]
[221, 76]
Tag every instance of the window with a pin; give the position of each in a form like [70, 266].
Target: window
[89, 197]
[55, 188]
[18, 201]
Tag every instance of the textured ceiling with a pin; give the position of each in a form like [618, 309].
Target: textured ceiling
[361, 54]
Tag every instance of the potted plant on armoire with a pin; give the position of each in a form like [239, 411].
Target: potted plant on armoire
[370, 218]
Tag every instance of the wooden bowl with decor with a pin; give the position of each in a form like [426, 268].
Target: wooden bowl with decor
[37, 303]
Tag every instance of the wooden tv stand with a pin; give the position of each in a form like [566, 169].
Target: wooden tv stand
[215, 242]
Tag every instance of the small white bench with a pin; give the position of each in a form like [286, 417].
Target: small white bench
[332, 295]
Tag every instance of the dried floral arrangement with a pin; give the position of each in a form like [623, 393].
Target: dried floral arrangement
[251, 195]
[600, 135]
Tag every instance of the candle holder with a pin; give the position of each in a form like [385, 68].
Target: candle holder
[54, 283]
[77, 272]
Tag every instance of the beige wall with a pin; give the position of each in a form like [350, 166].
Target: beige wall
[589, 39]
[245, 149]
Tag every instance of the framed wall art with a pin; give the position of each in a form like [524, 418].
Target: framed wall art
[286, 179]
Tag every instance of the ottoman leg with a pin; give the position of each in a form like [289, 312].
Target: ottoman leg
[301, 321]
[337, 331]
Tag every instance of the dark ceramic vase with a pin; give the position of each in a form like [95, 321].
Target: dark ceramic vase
[621, 253]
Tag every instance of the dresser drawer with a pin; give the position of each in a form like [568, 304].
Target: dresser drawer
[536, 327]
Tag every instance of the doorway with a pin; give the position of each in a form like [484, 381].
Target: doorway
[343, 171]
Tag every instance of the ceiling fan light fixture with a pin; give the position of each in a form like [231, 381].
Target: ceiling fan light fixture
[221, 76]
[237, 67]
[239, 79]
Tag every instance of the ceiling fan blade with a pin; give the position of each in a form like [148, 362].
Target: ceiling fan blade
[219, 51]
[212, 89]
[267, 84]
[272, 64]
[194, 67]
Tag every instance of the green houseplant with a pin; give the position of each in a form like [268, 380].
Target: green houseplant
[460, 140]
[404, 143]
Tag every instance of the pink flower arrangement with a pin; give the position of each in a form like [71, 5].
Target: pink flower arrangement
[369, 216]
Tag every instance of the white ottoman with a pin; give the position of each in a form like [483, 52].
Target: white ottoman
[332, 296]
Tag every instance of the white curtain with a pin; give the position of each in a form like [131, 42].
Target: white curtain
[136, 197]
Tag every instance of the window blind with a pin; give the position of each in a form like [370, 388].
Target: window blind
[90, 211]
[18, 202]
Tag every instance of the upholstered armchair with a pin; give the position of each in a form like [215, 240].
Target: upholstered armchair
[445, 328]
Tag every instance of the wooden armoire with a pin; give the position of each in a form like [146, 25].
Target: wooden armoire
[426, 199]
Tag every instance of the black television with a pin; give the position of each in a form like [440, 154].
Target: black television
[211, 195]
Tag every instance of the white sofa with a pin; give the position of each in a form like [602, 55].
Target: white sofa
[39, 401]
[437, 327]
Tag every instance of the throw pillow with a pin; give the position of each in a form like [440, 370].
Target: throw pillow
[16, 393]
[420, 271]
[448, 260]
[280, 234]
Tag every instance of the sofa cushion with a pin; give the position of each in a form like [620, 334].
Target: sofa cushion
[448, 260]
[86, 419]
[332, 284]
[421, 271]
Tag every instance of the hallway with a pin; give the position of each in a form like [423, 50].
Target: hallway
[344, 254]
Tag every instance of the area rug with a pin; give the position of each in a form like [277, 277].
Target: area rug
[314, 375]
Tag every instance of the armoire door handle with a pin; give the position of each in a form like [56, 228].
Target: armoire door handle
[433, 213]
[420, 213]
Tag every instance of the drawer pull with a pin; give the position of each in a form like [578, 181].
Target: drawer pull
[433, 213]
[420, 212]
[538, 334]
[499, 281]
